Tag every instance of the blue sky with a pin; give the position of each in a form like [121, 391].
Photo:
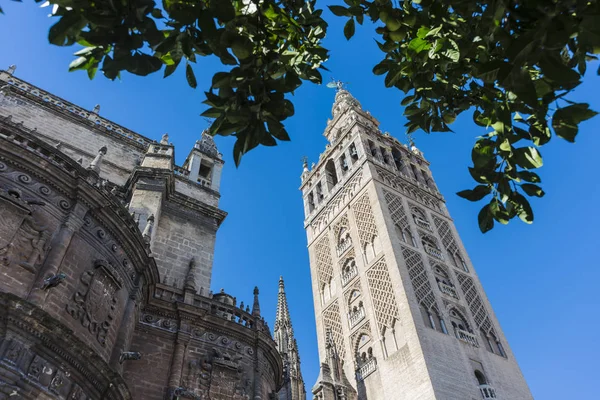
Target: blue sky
[541, 279]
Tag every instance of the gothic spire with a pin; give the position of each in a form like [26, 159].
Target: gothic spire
[282, 317]
[287, 346]
[256, 305]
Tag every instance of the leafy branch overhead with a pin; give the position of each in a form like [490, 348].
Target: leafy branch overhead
[512, 63]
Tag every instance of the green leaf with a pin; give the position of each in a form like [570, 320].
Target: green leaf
[212, 113]
[498, 211]
[554, 69]
[340, 11]
[485, 219]
[418, 45]
[407, 100]
[349, 29]
[242, 47]
[522, 207]
[529, 176]
[565, 120]
[221, 79]
[69, 24]
[189, 75]
[478, 193]
[528, 157]
[532, 190]
[382, 67]
[483, 153]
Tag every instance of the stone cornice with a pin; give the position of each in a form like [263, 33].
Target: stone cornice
[73, 112]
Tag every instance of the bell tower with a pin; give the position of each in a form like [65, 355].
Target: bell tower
[395, 293]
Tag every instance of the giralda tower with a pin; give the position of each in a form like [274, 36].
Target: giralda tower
[400, 311]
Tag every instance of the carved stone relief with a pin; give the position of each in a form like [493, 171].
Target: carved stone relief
[24, 233]
[94, 303]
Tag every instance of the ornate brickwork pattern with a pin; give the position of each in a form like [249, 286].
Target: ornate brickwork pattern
[418, 278]
[446, 234]
[337, 203]
[408, 189]
[341, 224]
[396, 209]
[382, 294]
[324, 261]
[365, 222]
[480, 314]
[332, 321]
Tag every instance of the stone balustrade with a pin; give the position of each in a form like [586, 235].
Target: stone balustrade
[487, 392]
[229, 312]
[366, 369]
[204, 182]
[342, 247]
[423, 224]
[356, 317]
[349, 275]
[447, 289]
[466, 337]
[432, 251]
[177, 170]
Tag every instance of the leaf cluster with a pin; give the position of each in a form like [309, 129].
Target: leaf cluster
[512, 62]
[269, 47]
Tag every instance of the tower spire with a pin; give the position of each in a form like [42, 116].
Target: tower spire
[293, 387]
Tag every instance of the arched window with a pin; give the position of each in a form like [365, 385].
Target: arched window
[371, 249]
[480, 377]
[459, 321]
[421, 219]
[431, 247]
[332, 178]
[311, 202]
[349, 270]
[397, 156]
[353, 152]
[344, 241]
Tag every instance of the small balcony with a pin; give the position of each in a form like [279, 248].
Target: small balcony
[466, 337]
[356, 317]
[447, 289]
[204, 182]
[487, 392]
[432, 251]
[349, 275]
[366, 369]
[423, 224]
[343, 246]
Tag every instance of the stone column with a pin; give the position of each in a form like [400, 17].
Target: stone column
[177, 361]
[58, 248]
[123, 339]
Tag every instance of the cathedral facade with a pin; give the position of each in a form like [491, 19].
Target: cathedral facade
[106, 251]
[400, 311]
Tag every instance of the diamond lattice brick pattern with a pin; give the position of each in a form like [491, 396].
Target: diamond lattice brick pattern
[419, 280]
[365, 221]
[332, 321]
[324, 261]
[396, 209]
[382, 294]
[475, 303]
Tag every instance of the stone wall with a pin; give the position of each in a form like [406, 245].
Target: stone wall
[81, 297]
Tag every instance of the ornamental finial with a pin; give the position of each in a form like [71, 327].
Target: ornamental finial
[337, 85]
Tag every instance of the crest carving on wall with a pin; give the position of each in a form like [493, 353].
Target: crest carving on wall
[94, 303]
[24, 234]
